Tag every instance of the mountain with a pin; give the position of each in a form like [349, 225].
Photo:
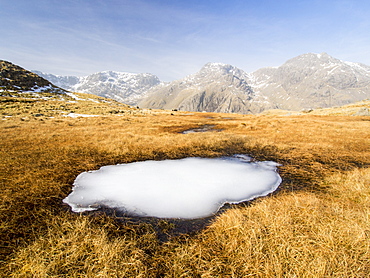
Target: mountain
[121, 86]
[305, 82]
[311, 81]
[215, 88]
[308, 81]
[16, 80]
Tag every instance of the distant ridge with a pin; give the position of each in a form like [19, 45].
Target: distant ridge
[312, 81]
[308, 81]
[121, 86]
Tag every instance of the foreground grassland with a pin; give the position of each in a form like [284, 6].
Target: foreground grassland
[316, 225]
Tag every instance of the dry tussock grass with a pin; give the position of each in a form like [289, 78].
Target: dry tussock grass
[317, 225]
[78, 248]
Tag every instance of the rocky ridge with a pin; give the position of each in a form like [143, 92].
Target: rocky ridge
[311, 81]
[215, 88]
[121, 86]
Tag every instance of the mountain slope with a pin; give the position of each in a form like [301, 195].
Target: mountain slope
[311, 81]
[15, 80]
[215, 88]
[121, 86]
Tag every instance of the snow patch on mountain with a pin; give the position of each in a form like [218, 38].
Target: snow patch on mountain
[121, 86]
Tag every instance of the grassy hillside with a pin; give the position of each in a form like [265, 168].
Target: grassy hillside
[14, 79]
[316, 225]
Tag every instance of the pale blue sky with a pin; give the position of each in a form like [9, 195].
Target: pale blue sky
[175, 38]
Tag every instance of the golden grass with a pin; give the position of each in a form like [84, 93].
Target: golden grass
[290, 235]
[317, 225]
[78, 248]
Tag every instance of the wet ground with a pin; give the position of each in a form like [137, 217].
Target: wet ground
[204, 128]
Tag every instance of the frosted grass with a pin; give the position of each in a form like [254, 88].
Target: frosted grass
[186, 188]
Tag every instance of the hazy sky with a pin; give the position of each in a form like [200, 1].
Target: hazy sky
[174, 38]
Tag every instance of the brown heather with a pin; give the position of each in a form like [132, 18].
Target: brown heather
[316, 225]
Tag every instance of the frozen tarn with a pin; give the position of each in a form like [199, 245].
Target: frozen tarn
[186, 188]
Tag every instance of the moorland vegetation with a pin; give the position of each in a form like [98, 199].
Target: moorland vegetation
[316, 225]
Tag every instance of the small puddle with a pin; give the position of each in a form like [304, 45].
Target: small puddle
[204, 128]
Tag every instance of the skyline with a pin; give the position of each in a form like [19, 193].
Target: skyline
[173, 39]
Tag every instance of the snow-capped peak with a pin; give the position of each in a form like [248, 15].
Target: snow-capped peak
[121, 86]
